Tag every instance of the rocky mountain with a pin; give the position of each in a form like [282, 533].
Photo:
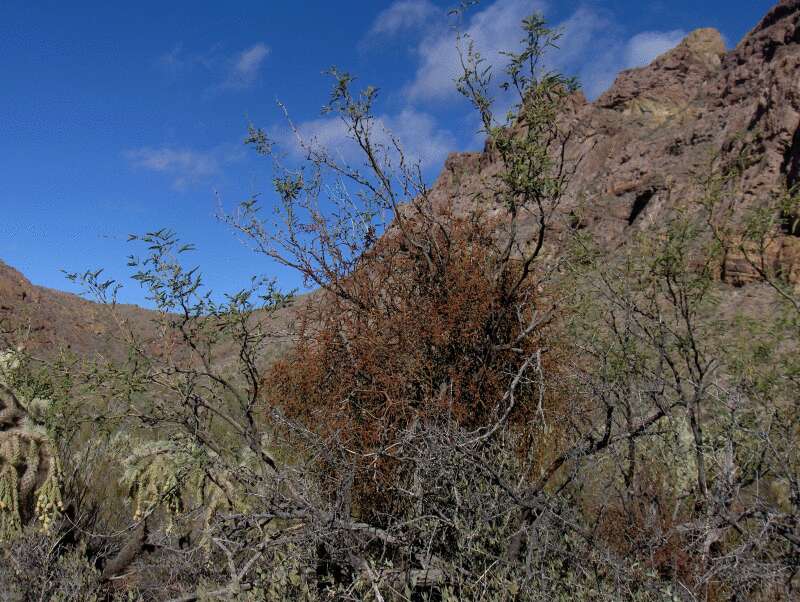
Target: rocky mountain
[645, 142]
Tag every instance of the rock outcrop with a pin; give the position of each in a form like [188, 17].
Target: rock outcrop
[647, 140]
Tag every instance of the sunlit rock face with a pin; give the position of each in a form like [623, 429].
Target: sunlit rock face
[646, 142]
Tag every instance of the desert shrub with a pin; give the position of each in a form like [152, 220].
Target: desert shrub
[425, 342]
[696, 414]
[477, 403]
[34, 569]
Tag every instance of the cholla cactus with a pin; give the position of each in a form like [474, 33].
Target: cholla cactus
[158, 472]
[176, 474]
[29, 467]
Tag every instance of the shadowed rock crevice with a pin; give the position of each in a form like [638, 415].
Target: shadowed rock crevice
[792, 162]
[640, 204]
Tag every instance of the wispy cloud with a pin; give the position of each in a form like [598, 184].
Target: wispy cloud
[227, 71]
[426, 142]
[493, 30]
[646, 46]
[641, 49]
[173, 60]
[246, 66]
[496, 28]
[403, 15]
[186, 167]
[423, 141]
[584, 32]
[179, 60]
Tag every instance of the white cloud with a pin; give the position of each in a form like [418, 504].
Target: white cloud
[420, 136]
[246, 66]
[580, 34]
[329, 133]
[646, 46]
[403, 15]
[584, 33]
[591, 47]
[179, 60]
[185, 166]
[599, 72]
[421, 139]
[492, 30]
[228, 71]
[496, 29]
[173, 60]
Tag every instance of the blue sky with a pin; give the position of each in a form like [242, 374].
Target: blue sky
[123, 117]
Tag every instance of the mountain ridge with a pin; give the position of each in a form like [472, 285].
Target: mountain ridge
[643, 144]
[49, 319]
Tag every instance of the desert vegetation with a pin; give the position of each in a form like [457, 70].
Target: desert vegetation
[478, 402]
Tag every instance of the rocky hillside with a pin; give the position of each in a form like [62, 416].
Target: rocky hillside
[644, 142]
[50, 319]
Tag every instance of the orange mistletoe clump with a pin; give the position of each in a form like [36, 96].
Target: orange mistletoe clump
[415, 336]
